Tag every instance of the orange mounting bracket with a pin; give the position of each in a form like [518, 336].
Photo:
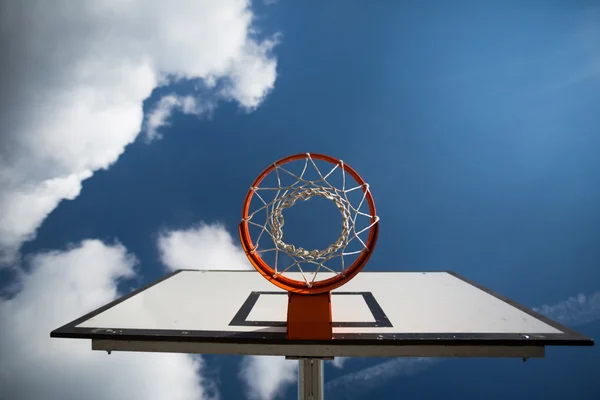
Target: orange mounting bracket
[309, 316]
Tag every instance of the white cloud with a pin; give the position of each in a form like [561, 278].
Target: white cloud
[379, 373]
[59, 287]
[252, 74]
[339, 362]
[75, 77]
[267, 377]
[203, 246]
[158, 117]
[577, 310]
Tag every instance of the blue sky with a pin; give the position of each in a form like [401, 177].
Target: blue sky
[475, 123]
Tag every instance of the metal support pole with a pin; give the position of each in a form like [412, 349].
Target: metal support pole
[310, 379]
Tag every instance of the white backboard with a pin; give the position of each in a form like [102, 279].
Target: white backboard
[438, 314]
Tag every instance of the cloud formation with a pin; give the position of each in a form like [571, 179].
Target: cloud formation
[380, 373]
[59, 287]
[339, 362]
[577, 310]
[75, 76]
[204, 246]
[164, 108]
[267, 377]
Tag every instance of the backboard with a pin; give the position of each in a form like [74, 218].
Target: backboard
[387, 314]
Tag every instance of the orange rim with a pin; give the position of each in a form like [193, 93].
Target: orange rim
[293, 285]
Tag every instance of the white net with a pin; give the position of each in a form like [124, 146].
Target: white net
[303, 187]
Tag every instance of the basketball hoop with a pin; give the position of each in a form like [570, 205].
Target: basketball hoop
[303, 189]
[309, 304]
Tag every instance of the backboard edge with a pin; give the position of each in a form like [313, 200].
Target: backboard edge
[569, 333]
